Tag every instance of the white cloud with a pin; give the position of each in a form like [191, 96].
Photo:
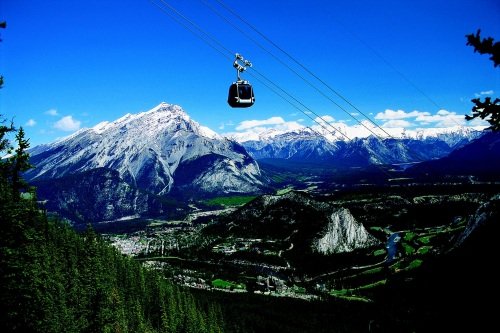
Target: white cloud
[247, 124]
[396, 123]
[51, 112]
[486, 92]
[442, 118]
[325, 118]
[477, 122]
[67, 124]
[223, 125]
[30, 123]
[399, 114]
[340, 130]
[444, 112]
[393, 123]
[251, 129]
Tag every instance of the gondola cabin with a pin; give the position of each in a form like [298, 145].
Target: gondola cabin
[240, 94]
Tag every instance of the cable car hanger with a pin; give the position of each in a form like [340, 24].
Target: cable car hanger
[240, 92]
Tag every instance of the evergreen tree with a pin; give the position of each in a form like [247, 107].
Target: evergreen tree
[20, 162]
[3, 25]
[487, 109]
[53, 280]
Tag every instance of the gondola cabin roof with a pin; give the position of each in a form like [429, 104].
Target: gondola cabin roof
[241, 95]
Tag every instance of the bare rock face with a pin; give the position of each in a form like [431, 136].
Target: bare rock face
[312, 226]
[343, 234]
[312, 146]
[159, 151]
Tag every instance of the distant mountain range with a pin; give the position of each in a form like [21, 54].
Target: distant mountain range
[481, 157]
[313, 147]
[152, 163]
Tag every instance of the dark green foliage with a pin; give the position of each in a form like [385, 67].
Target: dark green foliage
[3, 25]
[487, 108]
[485, 46]
[55, 280]
[61, 281]
[20, 162]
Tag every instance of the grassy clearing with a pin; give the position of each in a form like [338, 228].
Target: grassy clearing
[414, 264]
[284, 190]
[425, 239]
[373, 285]
[298, 290]
[379, 252]
[223, 284]
[347, 294]
[372, 271]
[354, 298]
[409, 236]
[409, 250]
[424, 250]
[229, 201]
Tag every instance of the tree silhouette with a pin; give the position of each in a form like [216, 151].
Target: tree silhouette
[486, 109]
[3, 25]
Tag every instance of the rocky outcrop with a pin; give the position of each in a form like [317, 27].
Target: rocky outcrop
[343, 234]
[159, 151]
[306, 145]
[297, 218]
[137, 164]
[484, 221]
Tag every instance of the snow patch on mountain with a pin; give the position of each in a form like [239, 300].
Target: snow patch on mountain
[147, 149]
[307, 145]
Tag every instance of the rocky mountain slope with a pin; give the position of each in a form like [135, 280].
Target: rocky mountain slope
[296, 218]
[152, 150]
[311, 146]
[101, 195]
[480, 157]
[161, 152]
[343, 234]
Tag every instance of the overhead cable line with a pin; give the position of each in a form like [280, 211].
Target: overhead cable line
[321, 124]
[211, 40]
[292, 70]
[169, 10]
[301, 104]
[391, 66]
[234, 13]
[229, 9]
[275, 90]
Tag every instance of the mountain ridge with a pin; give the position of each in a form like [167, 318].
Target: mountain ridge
[147, 149]
[141, 157]
[313, 146]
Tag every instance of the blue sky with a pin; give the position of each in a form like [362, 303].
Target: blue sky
[72, 64]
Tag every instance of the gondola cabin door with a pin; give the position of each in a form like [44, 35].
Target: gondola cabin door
[241, 95]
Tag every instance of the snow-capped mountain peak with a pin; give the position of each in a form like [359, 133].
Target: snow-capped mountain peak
[320, 145]
[151, 150]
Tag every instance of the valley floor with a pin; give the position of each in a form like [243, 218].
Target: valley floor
[414, 232]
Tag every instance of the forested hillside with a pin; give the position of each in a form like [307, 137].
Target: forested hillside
[55, 280]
